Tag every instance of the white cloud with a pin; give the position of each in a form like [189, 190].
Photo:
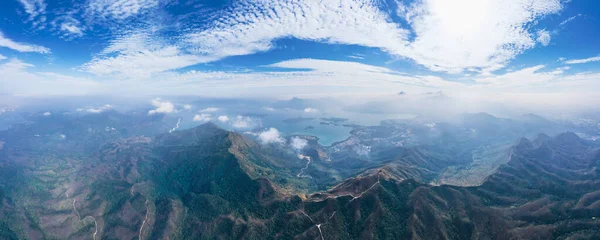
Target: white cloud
[552, 86]
[538, 88]
[456, 35]
[21, 47]
[479, 35]
[99, 109]
[16, 80]
[351, 73]
[210, 109]
[544, 37]
[242, 122]
[329, 66]
[2, 57]
[119, 10]
[270, 109]
[298, 143]
[348, 79]
[202, 117]
[523, 77]
[187, 107]
[161, 107]
[47, 114]
[67, 25]
[448, 35]
[585, 60]
[310, 110]
[562, 69]
[71, 29]
[34, 7]
[270, 136]
[356, 57]
[19, 79]
[223, 118]
[15, 65]
[252, 26]
[138, 56]
[36, 10]
[568, 20]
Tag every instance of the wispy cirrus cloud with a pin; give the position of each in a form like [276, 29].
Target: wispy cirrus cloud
[138, 56]
[348, 78]
[318, 81]
[484, 35]
[522, 77]
[355, 56]
[252, 26]
[478, 35]
[539, 86]
[71, 28]
[119, 10]
[21, 47]
[539, 79]
[322, 65]
[585, 60]
[20, 79]
[68, 26]
[210, 109]
[34, 7]
[536, 81]
[36, 10]
[569, 20]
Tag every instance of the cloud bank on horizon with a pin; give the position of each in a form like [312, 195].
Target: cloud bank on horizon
[285, 48]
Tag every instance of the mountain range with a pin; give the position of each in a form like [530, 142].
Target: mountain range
[124, 176]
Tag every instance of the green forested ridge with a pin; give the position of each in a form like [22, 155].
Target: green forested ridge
[207, 183]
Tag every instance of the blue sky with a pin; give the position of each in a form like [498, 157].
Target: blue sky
[287, 48]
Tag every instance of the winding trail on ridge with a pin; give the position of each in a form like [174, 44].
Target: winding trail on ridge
[75, 208]
[96, 225]
[144, 222]
[318, 225]
[308, 160]
[79, 218]
[176, 126]
[360, 195]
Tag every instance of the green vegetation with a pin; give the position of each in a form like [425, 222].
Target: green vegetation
[208, 183]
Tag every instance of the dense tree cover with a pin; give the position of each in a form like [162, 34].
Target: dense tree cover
[207, 183]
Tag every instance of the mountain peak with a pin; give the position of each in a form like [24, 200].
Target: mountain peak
[541, 137]
[204, 132]
[208, 125]
[524, 143]
[567, 137]
[479, 115]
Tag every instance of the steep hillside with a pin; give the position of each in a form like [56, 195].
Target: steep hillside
[548, 190]
[209, 183]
